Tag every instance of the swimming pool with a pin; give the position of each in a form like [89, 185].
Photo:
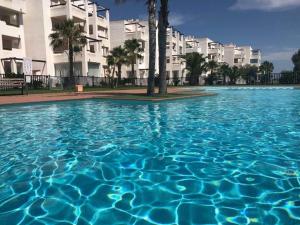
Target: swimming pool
[228, 159]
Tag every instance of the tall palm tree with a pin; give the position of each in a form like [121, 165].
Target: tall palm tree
[152, 45]
[134, 52]
[163, 24]
[151, 5]
[68, 35]
[196, 66]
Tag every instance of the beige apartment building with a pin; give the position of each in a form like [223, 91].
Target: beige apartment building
[26, 26]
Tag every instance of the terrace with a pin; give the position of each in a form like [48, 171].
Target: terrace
[61, 8]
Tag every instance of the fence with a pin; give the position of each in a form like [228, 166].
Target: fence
[33, 81]
[50, 82]
[90, 81]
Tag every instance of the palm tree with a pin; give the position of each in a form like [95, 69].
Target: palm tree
[120, 58]
[234, 75]
[152, 45]
[249, 73]
[296, 61]
[133, 53]
[111, 62]
[68, 35]
[225, 71]
[212, 66]
[162, 36]
[117, 58]
[151, 4]
[196, 66]
[266, 69]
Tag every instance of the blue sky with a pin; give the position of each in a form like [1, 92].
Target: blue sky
[270, 25]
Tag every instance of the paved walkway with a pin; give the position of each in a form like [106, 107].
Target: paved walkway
[17, 99]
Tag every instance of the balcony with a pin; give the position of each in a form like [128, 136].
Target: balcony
[214, 51]
[9, 30]
[59, 9]
[14, 5]
[136, 35]
[10, 17]
[193, 49]
[12, 47]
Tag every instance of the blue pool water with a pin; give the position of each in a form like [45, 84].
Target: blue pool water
[233, 158]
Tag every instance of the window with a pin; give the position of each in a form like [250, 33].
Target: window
[91, 30]
[10, 43]
[7, 67]
[168, 59]
[175, 74]
[92, 48]
[19, 67]
[236, 60]
[105, 51]
[253, 61]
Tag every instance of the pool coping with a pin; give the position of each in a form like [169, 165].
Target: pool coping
[44, 98]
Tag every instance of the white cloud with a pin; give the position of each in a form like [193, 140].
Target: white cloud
[177, 19]
[265, 5]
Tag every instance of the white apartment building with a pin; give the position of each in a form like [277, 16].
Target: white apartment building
[12, 41]
[212, 50]
[25, 27]
[40, 21]
[192, 45]
[123, 30]
[176, 48]
[241, 56]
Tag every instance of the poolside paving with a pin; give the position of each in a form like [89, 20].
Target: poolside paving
[128, 94]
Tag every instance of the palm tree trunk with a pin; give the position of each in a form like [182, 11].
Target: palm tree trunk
[152, 45]
[112, 80]
[132, 73]
[162, 39]
[119, 73]
[71, 80]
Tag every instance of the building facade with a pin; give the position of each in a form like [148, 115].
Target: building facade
[241, 56]
[211, 50]
[123, 30]
[40, 21]
[12, 40]
[192, 45]
[26, 26]
[176, 48]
